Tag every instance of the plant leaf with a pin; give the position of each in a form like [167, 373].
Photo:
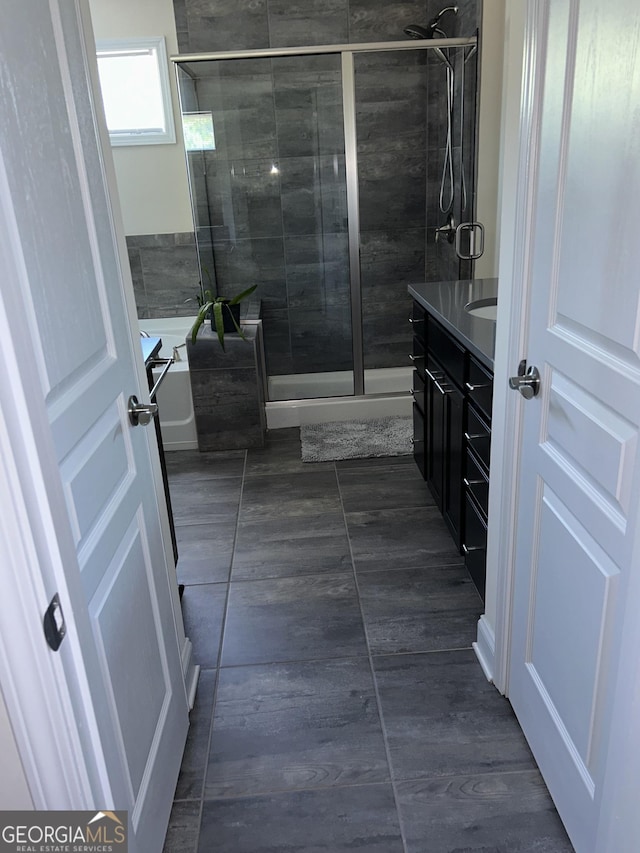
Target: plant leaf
[242, 295]
[219, 321]
[202, 313]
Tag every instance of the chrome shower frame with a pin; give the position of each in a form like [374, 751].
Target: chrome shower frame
[347, 52]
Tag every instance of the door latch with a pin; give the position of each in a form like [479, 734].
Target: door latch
[527, 382]
[53, 623]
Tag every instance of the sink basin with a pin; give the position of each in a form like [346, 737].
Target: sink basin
[486, 309]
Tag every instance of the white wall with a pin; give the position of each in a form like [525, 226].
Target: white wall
[152, 179]
[488, 171]
[14, 791]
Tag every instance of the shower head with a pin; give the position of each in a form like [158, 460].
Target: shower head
[415, 31]
[432, 30]
[434, 24]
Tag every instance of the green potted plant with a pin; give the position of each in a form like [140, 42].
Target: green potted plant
[225, 314]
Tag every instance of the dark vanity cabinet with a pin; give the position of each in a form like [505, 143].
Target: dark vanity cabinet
[477, 437]
[452, 394]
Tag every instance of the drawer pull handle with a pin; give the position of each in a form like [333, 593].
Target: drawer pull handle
[442, 390]
[466, 551]
[415, 441]
[434, 377]
[471, 436]
[415, 358]
[471, 387]
[415, 322]
[473, 482]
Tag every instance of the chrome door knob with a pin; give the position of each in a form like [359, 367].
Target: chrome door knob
[140, 414]
[527, 382]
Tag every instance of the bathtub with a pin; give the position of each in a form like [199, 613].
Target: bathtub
[175, 405]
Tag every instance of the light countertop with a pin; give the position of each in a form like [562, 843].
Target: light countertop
[445, 301]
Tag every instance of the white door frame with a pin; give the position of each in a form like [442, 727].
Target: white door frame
[518, 137]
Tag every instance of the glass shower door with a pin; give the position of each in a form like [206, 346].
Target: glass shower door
[414, 141]
[270, 208]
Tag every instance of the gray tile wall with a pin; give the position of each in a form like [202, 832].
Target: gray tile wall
[286, 229]
[164, 268]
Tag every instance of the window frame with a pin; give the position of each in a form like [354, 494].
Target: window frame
[140, 136]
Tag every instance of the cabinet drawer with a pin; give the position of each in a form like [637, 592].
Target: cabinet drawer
[446, 351]
[419, 440]
[479, 387]
[476, 482]
[475, 545]
[418, 391]
[418, 321]
[478, 436]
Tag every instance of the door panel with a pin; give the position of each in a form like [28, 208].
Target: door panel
[125, 627]
[580, 473]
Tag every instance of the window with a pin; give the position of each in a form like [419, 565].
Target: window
[135, 90]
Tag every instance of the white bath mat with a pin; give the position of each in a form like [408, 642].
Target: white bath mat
[356, 439]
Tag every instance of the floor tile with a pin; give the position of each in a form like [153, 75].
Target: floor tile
[202, 612]
[295, 726]
[280, 457]
[386, 487]
[291, 546]
[199, 501]
[283, 495]
[403, 462]
[205, 552]
[419, 610]
[338, 820]
[192, 465]
[493, 813]
[194, 760]
[443, 718]
[400, 538]
[316, 616]
[184, 827]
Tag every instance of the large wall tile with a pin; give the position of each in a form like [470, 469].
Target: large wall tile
[308, 22]
[227, 24]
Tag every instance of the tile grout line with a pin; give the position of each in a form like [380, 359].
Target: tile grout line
[218, 667]
[374, 681]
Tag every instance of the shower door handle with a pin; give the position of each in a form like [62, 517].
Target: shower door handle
[475, 231]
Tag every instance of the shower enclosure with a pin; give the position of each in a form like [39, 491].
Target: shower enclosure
[319, 174]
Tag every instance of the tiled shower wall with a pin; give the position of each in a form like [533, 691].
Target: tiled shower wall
[258, 225]
[164, 268]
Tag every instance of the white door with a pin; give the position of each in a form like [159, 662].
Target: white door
[579, 485]
[121, 651]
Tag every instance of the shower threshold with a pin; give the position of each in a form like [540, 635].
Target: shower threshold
[306, 398]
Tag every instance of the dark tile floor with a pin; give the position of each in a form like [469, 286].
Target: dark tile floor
[340, 704]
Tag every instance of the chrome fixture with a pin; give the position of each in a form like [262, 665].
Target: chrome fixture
[140, 414]
[176, 352]
[527, 382]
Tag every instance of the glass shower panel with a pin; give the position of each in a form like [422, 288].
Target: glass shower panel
[270, 208]
[391, 127]
[407, 134]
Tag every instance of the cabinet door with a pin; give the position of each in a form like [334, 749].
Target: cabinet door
[418, 439]
[454, 456]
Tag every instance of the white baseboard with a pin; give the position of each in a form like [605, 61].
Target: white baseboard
[485, 647]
